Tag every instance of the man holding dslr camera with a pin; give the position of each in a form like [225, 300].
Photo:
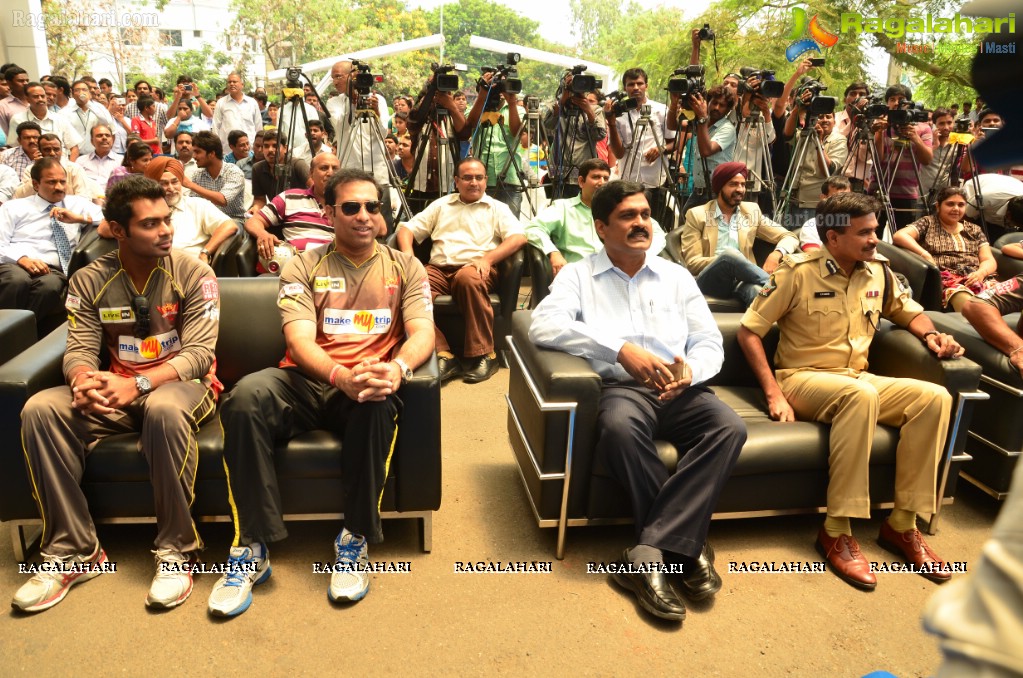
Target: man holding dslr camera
[715, 137]
[574, 126]
[438, 116]
[658, 141]
[495, 142]
[911, 142]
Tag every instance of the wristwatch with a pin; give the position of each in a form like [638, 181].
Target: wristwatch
[204, 251]
[702, 121]
[143, 384]
[406, 372]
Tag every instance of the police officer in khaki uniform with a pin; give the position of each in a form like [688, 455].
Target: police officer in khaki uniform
[828, 304]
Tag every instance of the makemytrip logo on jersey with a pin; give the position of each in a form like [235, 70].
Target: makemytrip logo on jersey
[376, 321]
[133, 350]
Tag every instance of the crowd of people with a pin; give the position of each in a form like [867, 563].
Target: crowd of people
[320, 187]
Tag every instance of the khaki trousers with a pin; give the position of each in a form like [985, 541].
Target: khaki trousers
[854, 405]
[57, 439]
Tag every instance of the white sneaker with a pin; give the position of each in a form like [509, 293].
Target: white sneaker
[232, 594]
[350, 580]
[56, 576]
[173, 581]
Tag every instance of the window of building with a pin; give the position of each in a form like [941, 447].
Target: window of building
[169, 38]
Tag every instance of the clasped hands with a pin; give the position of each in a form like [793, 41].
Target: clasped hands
[370, 380]
[667, 379]
[96, 392]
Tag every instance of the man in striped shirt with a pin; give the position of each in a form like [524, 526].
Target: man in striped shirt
[296, 215]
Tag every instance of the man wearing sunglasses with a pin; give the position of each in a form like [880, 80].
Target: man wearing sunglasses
[157, 312]
[357, 319]
[472, 232]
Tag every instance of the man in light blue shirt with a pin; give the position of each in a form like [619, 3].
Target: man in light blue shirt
[644, 326]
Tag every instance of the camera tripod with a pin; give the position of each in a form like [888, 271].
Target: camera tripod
[951, 163]
[864, 137]
[753, 128]
[363, 145]
[885, 176]
[632, 164]
[805, 137]
[292, 94]
[492, 123]
[561, 161]
[439, 160]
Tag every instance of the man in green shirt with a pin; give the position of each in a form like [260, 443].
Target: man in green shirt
[564, 231]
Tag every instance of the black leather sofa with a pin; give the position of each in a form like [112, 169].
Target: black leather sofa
[783, 468]
[17, 332]
[996, 431]
[116, 479]
[504, 299]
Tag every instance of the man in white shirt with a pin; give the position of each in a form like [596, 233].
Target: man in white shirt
[84, 114]
[236, 111]
[471, 233]
[37, 236]
[101, 162]
[77, 181]
[48, 121]
[655, 141]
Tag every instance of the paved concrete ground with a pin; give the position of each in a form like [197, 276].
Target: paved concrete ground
[437, 622]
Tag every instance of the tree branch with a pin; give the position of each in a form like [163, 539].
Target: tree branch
[889, 45]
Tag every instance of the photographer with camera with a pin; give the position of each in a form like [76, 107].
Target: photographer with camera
[715, 137]
[817, 164]
[756, 133]
[935, 176]
[494, 122]
[356, 135]
[436, 124]
[903, 142]
[574, 126]
[654, 142]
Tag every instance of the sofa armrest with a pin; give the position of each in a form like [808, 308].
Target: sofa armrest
[541, 274]
[37, 368]
[1008, 267]
[1008, 238]
[509, 280]
[924, 277]
[897, 353]
[417, 462]
[17, 332]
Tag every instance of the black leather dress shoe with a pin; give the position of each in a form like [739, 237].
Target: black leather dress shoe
[699, 579]
[449, 368]
[481, 371]
[652, 589]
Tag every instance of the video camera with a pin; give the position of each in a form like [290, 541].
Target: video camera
[443, 78]
[582, 82]
[506, 76]
[361, 83]
[691, 80]
[768, 87]
[706, 34]
[962, 124]
[817, 105]
[293, 76]
[907, 113]
[621, 103]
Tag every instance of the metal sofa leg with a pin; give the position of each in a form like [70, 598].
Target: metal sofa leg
[426, 532]
[23, 537]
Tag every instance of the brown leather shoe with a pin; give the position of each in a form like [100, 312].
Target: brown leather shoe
[912, 547]
[846, 560]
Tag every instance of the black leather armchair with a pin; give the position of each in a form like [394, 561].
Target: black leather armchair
[235, 258]
[541, 273]
[783, 468]
[996, 431]
[17, 332]
[504, 299]
[116, 479]
[924, 277]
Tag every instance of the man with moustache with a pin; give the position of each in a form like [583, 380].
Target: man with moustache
[77, 182]
[717, 239]
[157, 312]
[48, 121]
[828, 304]
[102, 160]
[643, 325]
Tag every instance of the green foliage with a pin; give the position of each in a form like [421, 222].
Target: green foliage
[203, 65]
[479, 17]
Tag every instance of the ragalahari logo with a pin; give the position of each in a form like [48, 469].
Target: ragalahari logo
[818, 37]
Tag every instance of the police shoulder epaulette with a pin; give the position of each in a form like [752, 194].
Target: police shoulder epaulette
[802, 257]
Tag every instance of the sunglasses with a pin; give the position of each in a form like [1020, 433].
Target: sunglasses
[140, 307]
[351, 207]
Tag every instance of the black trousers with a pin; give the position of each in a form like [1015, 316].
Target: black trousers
[41, 294]
[671, 510]
[278, 404]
